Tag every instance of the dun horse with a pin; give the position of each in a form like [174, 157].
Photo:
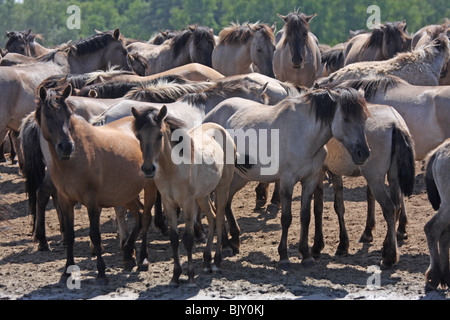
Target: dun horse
[382, 43]
[297, 56]
[207, 166]
[437, 229]
[391, 154]
[96, 166]
[241, 46]
[423, 66]
[192, 45]
[316, 116]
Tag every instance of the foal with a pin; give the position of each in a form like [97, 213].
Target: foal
[206, 165]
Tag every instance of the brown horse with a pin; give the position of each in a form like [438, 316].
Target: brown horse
[382, 43]
[189, 182]
[194, 44]
[96, 166]
[241, 46]
[297, 56]
[23, 42]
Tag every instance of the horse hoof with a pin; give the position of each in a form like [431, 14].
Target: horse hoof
[43, 248]
[143, 266]
[284, 265]
[341, 252]
[128, 265]
[402, 236]
[386, 265]
[227, 252]
[366, 238]
[174, 284]
[309, 262]
[103, 281]
[272, 208]
[216, 269]
[260, 204]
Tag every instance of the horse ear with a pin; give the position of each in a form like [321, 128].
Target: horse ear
[282, 17]
[403, 25]
[117, 34]
[67, 91]
[135, 112]
[274, 27]
[309, 18]
[42, 93]
[162, 113]
[192, 28]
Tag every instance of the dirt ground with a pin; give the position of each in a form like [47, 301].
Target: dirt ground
[26, 273]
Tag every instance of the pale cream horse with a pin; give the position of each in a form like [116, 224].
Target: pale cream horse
[437, 229]
[206, 165]
[423, 66]
[297, 57]
[243, 46]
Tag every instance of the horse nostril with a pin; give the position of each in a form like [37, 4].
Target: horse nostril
[148, 171]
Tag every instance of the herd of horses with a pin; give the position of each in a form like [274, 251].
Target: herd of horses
[97, 121]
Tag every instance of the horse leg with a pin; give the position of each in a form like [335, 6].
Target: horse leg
[204, 205]
[286, 220]
[275, 201]
[389, 253]
[43, 197]
[129, 251]
[13, 141]
[160, 220]
[188, 237]
[339, 208]
[308, 187]
[67, 210]
[2, 152]
[262, 194]
[150, 196]
[444, 243]
[198, 227]
[402, 221]
[318, 214]
[121, 225]
[171, 214]
[433, 231]
[95, 236]
[367, 235]
[232, 245]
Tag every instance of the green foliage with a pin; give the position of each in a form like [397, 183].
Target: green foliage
[140, 19]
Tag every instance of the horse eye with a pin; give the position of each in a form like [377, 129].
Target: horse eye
[259, 49]
[160, 136]
[138, 136]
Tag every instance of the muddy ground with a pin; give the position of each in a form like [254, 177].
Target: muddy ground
[26, 273]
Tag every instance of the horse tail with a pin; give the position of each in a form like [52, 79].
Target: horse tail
[403, 150]
[432, 191]
[243, 163]
[33, 159]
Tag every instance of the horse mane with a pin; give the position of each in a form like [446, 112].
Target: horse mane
[371, 85]
[118, 89]
[149, 115]
[162, 36]
[77, 81]
[323, 103]
[199, 33]
[237, 33]
[222, 88]
[164, 91]
[433, 48]
[296, 21]
[92, 44]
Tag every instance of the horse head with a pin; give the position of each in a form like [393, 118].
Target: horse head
[53, 116]
[296, 33]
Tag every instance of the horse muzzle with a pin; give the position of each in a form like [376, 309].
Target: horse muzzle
[360, 154]
[65, 149]
[149, 171]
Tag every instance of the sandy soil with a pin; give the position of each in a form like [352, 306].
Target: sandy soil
[26, 273]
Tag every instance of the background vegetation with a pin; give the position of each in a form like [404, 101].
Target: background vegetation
[139, 19]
